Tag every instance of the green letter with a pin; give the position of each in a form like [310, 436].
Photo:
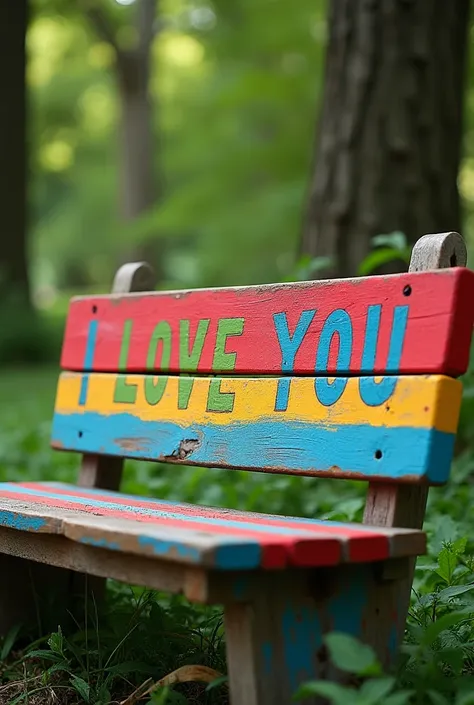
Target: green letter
[125, 393]
[155, 390]
[226, 327]
[217, 400]
[189, 361]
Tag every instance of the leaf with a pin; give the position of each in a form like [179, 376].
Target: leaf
[338, 694]
[446, 529]
[62, 666]
[83, 688]
[55, 642]
[437, 698]
[349, 654]
[454, 591]
[375, 689]
[103, 696]
[396, 240]
[440, 625]
[46, 655]
[459, 546]
[9, 641]
[217, 682]
[376, 258]
[454, 657]
[447, 562]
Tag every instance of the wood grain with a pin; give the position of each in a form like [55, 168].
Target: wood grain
[411, 323]
[347, 427]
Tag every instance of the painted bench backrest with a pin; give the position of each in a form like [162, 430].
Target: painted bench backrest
[344, 378]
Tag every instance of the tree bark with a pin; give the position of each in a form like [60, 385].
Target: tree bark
[14, 281]
[390, 130]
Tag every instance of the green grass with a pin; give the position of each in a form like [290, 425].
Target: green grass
[140, 635]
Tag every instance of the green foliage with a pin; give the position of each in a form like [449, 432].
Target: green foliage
[139, 636]
[387, 248]
[237, 99]
[436, 665]
[142, 635]
[28, 336]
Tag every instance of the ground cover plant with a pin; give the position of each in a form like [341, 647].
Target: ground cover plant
[141, 637]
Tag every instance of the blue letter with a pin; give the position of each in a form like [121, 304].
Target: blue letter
[338, 322]
[88, 360]
[371, 392]
[289, 346]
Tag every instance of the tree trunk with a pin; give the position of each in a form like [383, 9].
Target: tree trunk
[137, 178]
[390, 130]
[14, 282]
[139, 188]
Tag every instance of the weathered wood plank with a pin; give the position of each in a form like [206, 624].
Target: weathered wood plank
[275, 635]
[410, 323]
[59, 551]
[346, 427]
[184, 533]
[358, 542]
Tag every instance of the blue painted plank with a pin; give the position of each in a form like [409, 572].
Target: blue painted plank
[300, 448]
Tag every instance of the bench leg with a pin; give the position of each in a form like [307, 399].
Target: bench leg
[275, 640]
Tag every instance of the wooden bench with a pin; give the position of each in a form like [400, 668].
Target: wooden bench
[341, 379]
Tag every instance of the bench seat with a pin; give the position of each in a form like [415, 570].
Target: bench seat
[213, 538]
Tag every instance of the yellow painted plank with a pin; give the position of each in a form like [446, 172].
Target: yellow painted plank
[416, 402]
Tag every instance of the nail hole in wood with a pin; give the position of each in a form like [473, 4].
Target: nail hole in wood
[94, 309]
[79, 433]
[407, 290]
[378, 454]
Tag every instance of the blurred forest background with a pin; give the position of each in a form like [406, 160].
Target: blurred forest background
[185, 132]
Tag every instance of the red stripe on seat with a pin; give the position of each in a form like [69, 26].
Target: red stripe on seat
[276, 553]
[363, 544]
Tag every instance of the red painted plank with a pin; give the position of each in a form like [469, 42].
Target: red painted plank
[408, 323]
[276, 551]
[363, 544]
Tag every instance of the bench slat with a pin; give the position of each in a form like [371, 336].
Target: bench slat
[358, 535]
[345, 427]
[205, 536]
[412, 323]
